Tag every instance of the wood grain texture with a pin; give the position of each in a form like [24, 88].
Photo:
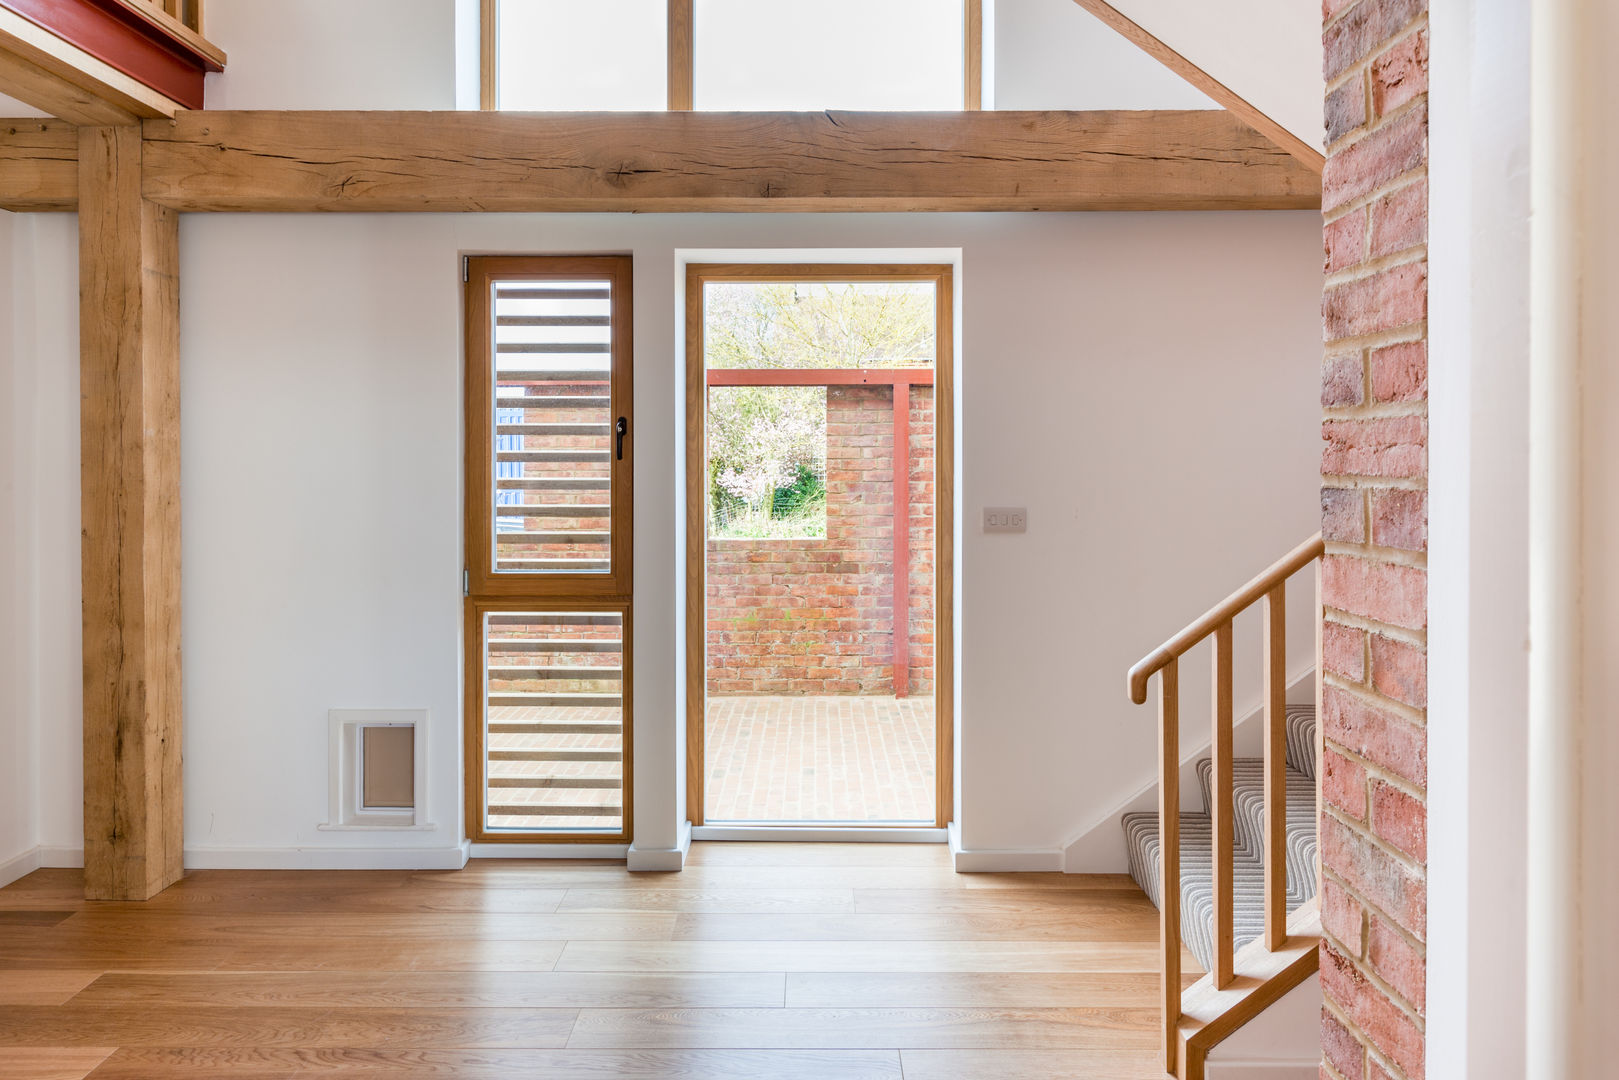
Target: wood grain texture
[273, 1064]
[42, 987]
[39, 165]
[697, 161]
[129, 343]
[681, 33]
[1169, 847]
[58, 1063]
[1275, 690]
[1307, 155]
[1223, 812]
[224, 975]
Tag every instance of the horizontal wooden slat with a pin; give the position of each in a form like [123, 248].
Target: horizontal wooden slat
[558, 401]
[528, 645]
[532, 672]
[561, 376]
[543, 347]
[554, 455]
[524, 810]
[522, 700]
[551, 320]
[559, 428]
[696, 161]
[582, 538]
[566, 753]
[549, 727]
[581, 566]
[556, 782]
[504, 292]
[554, 483]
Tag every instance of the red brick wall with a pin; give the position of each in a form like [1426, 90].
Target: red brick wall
[1374, 393]
[815, 616]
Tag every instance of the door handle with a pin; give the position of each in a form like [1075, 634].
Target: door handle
[622, 428]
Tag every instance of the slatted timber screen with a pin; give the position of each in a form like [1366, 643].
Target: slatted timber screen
[548, 547]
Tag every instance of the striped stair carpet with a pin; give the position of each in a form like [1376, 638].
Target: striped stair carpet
[1197, 839]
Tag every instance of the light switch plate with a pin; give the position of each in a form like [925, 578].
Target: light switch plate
[1006, 519]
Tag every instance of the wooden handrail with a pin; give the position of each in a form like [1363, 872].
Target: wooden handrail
[1271, 587]
[1220, 614]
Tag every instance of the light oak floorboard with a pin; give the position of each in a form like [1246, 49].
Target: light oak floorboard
[862, 1028]
[160, 1025]
[697, 901]
[759, 960]
[42, 987]
[1076, 1063]
[208, 929]
[1073, 926]
[64, 1063]
[876, 990]
[451, 989]
[271, 1064]
[856, 956]
[739, 853]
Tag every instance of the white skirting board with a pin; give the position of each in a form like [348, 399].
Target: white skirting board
[1001, 860]
[328, 858]
[19, 866]
[652, 859]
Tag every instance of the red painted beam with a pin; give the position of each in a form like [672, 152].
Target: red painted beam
[902, 539]
[820, 376]
[117, 36]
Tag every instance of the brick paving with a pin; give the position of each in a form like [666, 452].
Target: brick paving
[848, 759]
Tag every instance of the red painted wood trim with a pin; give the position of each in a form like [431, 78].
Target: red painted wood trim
[901, 620]
[124, 40]
[820, 376]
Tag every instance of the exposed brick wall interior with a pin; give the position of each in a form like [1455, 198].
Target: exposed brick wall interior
[814, 616]
[1374, 507]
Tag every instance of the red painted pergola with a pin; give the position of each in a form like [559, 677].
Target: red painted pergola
[901, 379]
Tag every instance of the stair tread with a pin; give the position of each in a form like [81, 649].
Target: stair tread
[1196, 838]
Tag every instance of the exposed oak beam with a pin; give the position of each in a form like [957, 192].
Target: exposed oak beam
[697, 161]
[129, 424]
[1240, 107]
[39, 165]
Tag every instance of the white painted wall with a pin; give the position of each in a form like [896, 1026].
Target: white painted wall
[1053, 54]
[40, 689]
[19, 786]
[1281, 1043]
[316, 54]
[1145, 384]
[1267, 51]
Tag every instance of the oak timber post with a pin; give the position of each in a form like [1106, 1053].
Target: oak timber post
[129, 425]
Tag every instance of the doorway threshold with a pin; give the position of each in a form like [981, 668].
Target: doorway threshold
[822, 834]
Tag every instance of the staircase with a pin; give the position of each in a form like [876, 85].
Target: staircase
[1197, 835]
[1234, 885]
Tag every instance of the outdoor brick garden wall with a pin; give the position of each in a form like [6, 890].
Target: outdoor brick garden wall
[1374, 511]
[814, 616]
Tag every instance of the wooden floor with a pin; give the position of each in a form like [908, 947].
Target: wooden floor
[759, 960]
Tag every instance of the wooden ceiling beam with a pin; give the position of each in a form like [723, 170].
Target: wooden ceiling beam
[699, 161]
[39, 165]
[466, 161]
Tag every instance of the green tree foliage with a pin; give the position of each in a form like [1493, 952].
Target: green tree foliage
[767, 444]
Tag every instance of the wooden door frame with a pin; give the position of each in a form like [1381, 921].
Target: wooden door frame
[944, 446]
[487, 591]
